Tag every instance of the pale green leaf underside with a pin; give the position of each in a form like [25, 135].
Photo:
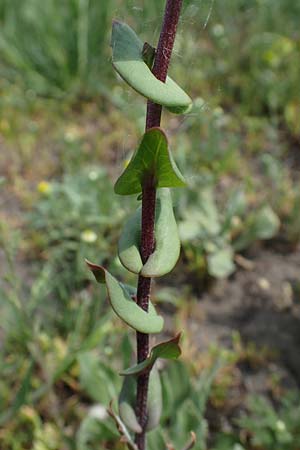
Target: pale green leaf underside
[166, 350]
[126, 405]
[154, 406]
[125, 307]
[152, 158]
[128, 61]
[167, 243]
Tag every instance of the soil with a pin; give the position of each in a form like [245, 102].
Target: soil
[263, 304]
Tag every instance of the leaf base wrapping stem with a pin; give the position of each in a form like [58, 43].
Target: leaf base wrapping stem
[160, 70]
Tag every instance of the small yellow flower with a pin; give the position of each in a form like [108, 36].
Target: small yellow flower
[44, 187]
[88, 236]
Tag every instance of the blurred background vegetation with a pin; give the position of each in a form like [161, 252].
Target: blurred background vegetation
[68, 125]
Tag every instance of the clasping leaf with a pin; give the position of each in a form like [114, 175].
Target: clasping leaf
[152, 159]
[154, 406]
[167, 243]
[166, 350]
[128, 60]
[124, 306]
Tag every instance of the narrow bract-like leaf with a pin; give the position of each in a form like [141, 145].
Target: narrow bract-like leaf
[124, 306]
[151, 159]
[167, 242]
[127, 58]
[154, 406]
[167, 350]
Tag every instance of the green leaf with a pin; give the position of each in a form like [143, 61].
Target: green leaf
[260, 224]
[127, 58]
[167, 242]
[96, 378]
[155, 405]
[220, 263]
[129, 243]
[121, 426]
[166, 350]
[266, 223]
[21, 396]
[151, 159]
[124, 306]
[127, 400]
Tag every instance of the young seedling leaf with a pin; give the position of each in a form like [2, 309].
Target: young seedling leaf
[167, 350]
[151, 159]
[124, 306]
[127, 402]
[167, 243]
[128, 61]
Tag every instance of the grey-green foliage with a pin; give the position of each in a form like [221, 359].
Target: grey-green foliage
[68, 223]
[167, 243]
[273, 429]
[151, 162]
[216, 233]
[127, 57]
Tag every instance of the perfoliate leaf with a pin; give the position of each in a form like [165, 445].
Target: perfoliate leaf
[127, 402]
[127, 58]
[124, 306]
[167, 350]
[155, 405]
[148, 54]
[167, 243]
[129, 243]
[126, 405]
[151, 159]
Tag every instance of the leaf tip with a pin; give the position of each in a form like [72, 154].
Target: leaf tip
[98, 271]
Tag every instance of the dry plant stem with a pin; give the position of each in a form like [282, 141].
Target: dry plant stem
[160, 70]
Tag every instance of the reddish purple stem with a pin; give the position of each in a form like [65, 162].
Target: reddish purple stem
[160, 70]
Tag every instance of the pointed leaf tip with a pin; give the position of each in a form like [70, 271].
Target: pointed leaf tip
[124, 306]
[167, 350]
[98, 271]
[152, 158]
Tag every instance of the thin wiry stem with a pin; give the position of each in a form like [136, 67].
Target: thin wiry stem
[160, 70]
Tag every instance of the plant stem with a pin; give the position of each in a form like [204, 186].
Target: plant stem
[160, 70]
